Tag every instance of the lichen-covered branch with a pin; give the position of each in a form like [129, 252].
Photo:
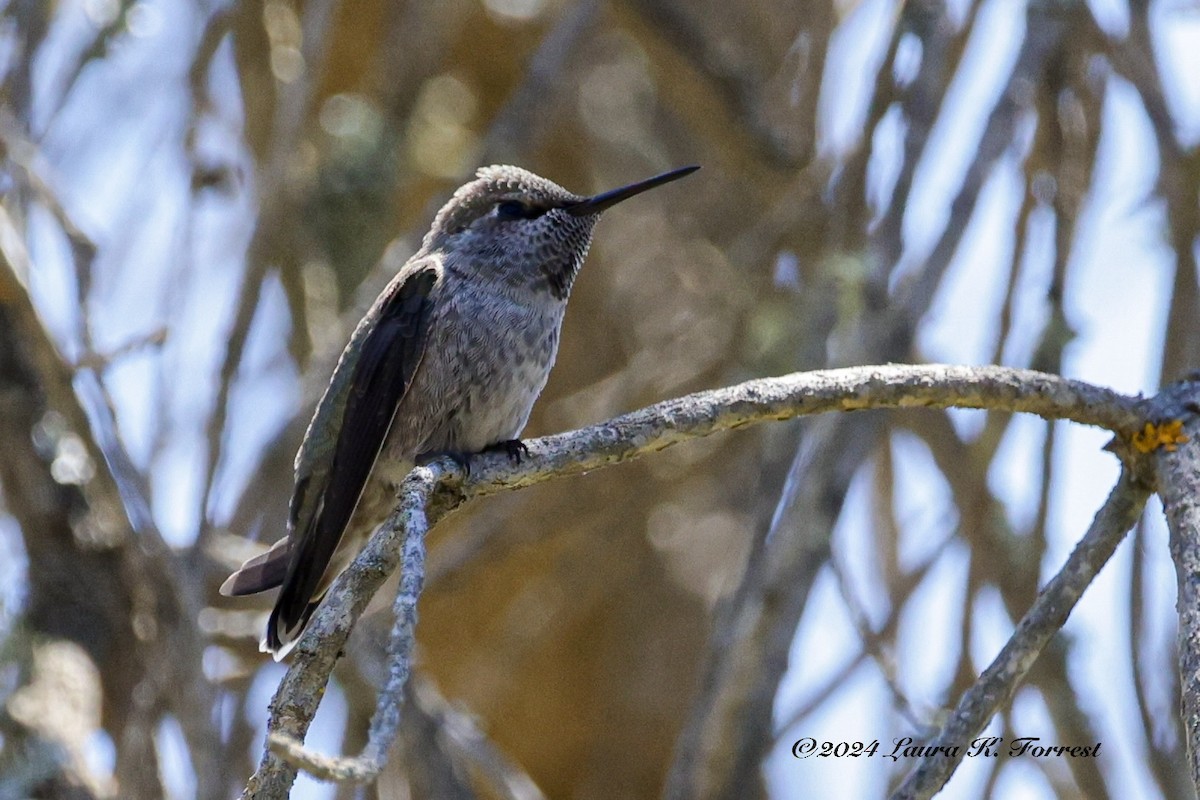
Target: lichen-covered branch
[414, 524]
[1179, 487]
[430, 492]
[664, 424]
[295, 702]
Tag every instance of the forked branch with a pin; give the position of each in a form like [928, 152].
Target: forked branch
[432, 491]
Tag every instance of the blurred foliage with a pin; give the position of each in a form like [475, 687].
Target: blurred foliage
[200, 200]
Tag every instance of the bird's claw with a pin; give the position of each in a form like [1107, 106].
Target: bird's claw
[515, 449]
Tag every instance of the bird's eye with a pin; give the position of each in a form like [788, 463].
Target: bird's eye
[515, 209]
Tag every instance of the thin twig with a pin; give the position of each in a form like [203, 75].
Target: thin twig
[386, 722]
[998, 682]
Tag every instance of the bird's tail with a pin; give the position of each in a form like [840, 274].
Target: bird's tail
[264, 571]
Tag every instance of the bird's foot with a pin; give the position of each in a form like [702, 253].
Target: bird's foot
[514, 448]
[463, 460]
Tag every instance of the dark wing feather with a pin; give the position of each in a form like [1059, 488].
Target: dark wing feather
[389, 356]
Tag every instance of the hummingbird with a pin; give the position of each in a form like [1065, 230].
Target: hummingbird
[448, 361]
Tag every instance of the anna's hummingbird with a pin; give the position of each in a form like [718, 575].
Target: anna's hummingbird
[448, 361]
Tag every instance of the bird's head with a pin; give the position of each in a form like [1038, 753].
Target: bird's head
[523, 229]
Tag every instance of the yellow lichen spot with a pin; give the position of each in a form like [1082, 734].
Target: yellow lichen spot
[1166, 435]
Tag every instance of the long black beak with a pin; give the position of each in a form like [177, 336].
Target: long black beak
[598, 203]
